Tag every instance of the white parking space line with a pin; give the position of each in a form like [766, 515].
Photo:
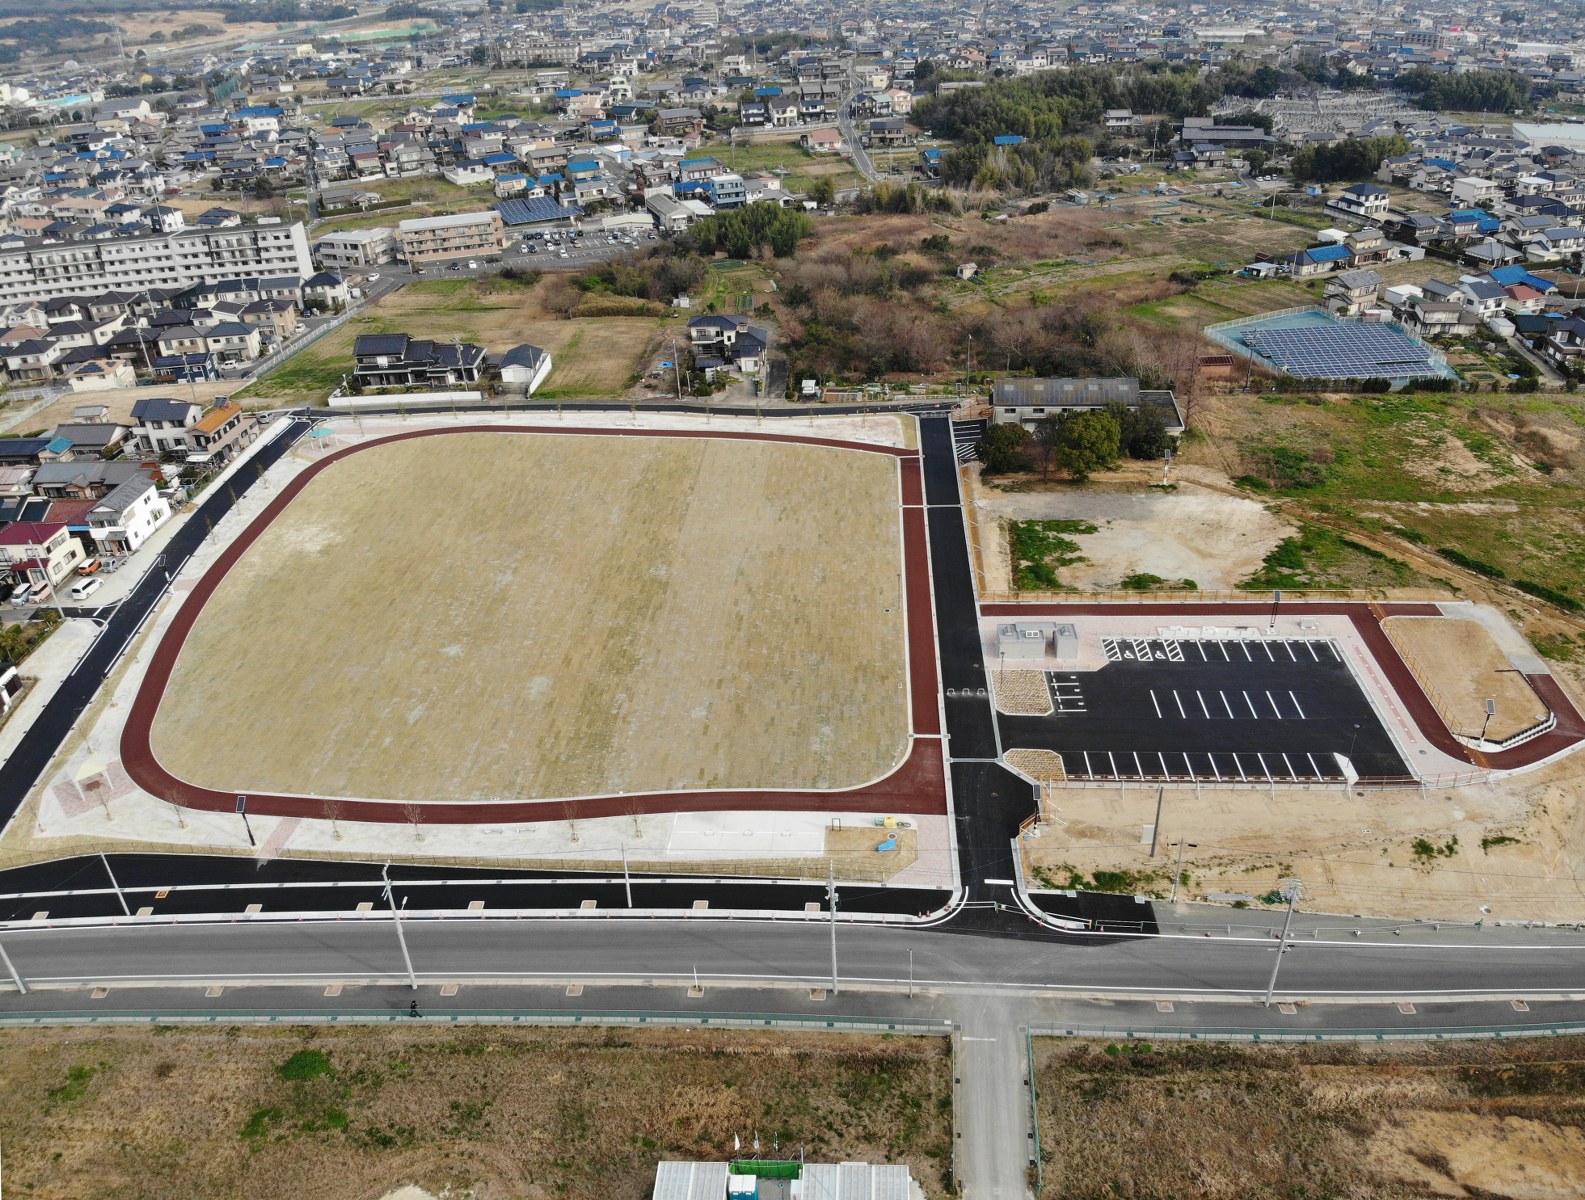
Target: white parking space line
[1178, 700]
[1295, 700]
[1251, 704]
[1111, 760]
[1288, 646]
[1088, 770]
[1289, 765]
[1274, 707]
[1227, 704]
[1203, 709]
[1270, 657]
[1240, 767]
[1313, 654]
[1314, 766]
[1139, 767]
[1153, 703]
[1201, 647]
[1222, 646]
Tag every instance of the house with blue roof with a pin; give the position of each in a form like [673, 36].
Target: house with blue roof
[1318, 260]
[1008, 139]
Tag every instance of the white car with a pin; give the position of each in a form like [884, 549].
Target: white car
[86, 588]
[373, 277]
[19, 594]
[472, 266]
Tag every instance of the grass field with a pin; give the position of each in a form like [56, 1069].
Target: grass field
[1389, 1122]
[594, 356]
[510, 616]
[1490, 475]
[346, 1114]
[801, 168]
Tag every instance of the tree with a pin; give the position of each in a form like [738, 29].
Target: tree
[1087, 441]
[1001, 448]
[1142, 430]
[823, 192]
[479, 56]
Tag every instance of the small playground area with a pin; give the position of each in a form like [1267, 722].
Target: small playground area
[554, 616]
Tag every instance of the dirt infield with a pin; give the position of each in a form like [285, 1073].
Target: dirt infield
[653, 689]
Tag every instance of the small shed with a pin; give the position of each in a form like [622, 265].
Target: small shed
[968, 270]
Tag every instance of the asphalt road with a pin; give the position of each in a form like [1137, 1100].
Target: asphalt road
[667, 951]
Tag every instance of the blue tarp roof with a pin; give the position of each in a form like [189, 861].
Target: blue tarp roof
[1328, 253]
[1509, 276]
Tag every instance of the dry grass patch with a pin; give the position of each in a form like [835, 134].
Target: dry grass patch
[594, 356]
[577, 615]
[1462, 667]
[251, 1114]
[1388, 1122]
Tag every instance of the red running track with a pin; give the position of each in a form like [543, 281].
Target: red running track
[917, 786]
[1366, 618]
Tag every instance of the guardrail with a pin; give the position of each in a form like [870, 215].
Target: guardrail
[1435, 1033]
[917, 1026]
[1175, 596]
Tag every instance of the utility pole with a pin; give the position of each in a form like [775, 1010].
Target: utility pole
[627, 883]
[401, 938]
[1294, 890]
[16, 977]
[1177, 874]
[831, 894]
[676, 366]
[1155, 830]
[910, 974]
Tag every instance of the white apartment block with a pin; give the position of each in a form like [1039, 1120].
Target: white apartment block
[425, 239]
[170, 260]
[352, 249]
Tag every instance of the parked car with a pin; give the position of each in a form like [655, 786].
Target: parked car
[81, 591]
[19, 594]
[472, 266]
[456, 266]
[91, 567]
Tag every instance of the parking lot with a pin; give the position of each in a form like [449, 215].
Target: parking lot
[1220, 711]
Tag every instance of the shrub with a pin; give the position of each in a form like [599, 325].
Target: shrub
[1454, 555]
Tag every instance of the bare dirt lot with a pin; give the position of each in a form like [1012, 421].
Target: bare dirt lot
[480, 616]
[351, 1114]
[1462, 667]
[1388, 1122]
[1190, 533]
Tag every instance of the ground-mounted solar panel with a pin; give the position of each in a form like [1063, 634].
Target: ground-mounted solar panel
[1346, 350]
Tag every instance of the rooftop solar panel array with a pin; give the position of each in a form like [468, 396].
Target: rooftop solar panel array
[1350, 350]
[539, 208]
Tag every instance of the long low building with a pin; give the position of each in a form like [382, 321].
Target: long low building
[37, 270]
[1027, 402]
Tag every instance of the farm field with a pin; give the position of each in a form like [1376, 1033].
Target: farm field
[255, 1114]
[594, 356]
[801, 168]
[1387, 1121]
[582, 615]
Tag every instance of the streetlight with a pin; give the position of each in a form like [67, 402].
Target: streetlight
[1177, 873]
[1293, 890]
[1491, 711]
[16, 976]
[1276, 599]
[396, 916]
[831, 892]
[242, 811]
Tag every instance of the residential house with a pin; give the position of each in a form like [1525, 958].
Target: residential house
[219, 434]
[397, 360]
[128, 516]
[718, 340]
[1362, 201]
[1349, 293]
[160, 424]
[39, 552]
[525, 367]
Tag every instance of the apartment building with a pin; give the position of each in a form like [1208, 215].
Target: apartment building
[162, 260]
[425, 239]
[355, 249]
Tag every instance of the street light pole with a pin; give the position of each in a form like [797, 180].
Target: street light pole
[1295, 889]
[401, 938]
[16, 976]
[831, 893]
[1276, 599]
[1491, 711]
[1155, 830]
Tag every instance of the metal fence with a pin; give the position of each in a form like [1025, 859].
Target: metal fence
[1422, 1033]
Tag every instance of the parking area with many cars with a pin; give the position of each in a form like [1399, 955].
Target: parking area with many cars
[545, 250]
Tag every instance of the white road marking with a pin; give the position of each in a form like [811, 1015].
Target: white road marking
[1179, 702]
[1295, 700]
[1227, 704]
[1154, 705]
[1251, 704]
[1201, 699]
[1274, 707]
